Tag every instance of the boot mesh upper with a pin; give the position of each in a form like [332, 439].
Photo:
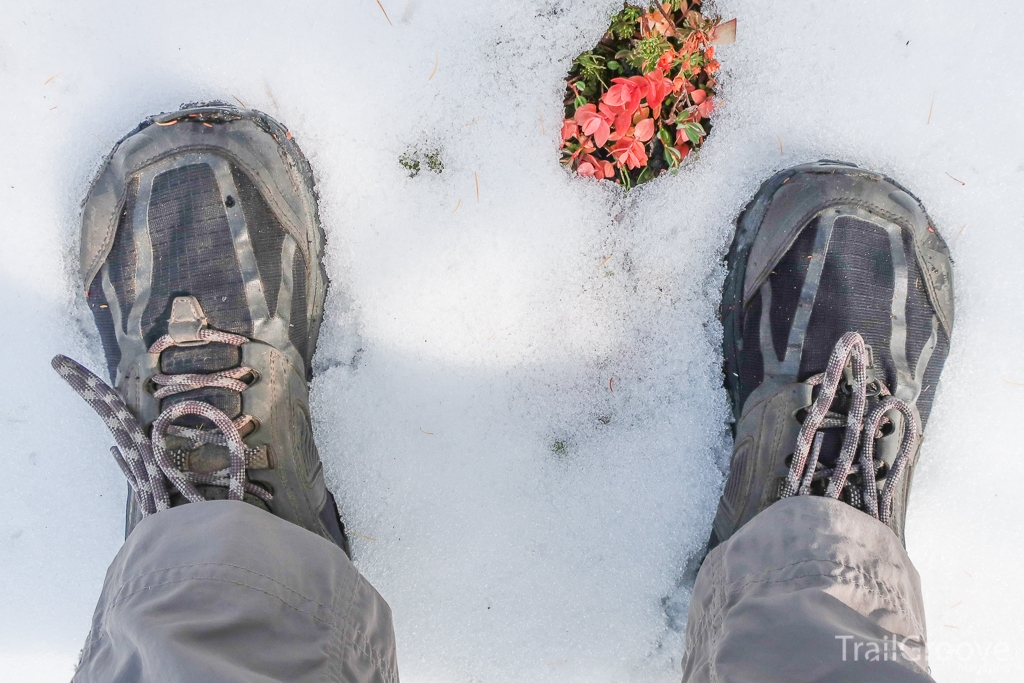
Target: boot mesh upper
[856, 292]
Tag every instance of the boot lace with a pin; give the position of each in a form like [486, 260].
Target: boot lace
[851, 354]
[146, 461]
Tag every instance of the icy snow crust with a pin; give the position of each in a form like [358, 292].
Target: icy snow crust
[519, 394]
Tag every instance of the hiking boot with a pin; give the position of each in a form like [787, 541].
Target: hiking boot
[201, 257]
[837, 312]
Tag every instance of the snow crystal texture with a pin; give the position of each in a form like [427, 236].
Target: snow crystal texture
[518, 397]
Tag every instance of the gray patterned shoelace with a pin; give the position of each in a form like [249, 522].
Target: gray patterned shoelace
[805, 468]
[146, 461]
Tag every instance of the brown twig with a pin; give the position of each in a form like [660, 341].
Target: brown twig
[458, 205]
[604, 262]
[680, 100]
[667, 17]
[385, 12]
[240, 102]
[930, 108]
[476, 181]
[956, 179]
[426, 432]
[47, 81]
[779, 138]
[437, 60]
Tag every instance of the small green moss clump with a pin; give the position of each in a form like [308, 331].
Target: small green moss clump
[414, 160]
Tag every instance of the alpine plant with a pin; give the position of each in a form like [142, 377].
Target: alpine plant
[641, 100]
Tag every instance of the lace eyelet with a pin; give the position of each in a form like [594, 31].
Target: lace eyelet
[251, 427]
[252, 378]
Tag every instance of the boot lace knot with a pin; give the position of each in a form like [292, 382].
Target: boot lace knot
[147, 462]
[848, 368]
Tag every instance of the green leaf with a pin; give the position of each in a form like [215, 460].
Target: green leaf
[580, 101]
[627, 182]
[434, 162]
[624, 24]
[666, 137]
[672, 156]
[647, 51]
[694, 132]
[410, 162]
[591, 68]
[645, 175]
[614, 66]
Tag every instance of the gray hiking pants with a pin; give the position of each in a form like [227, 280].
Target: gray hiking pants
[809, 590]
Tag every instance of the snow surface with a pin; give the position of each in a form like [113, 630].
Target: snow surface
[519, 395]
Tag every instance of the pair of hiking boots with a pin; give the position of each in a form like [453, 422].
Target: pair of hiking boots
[202, 260]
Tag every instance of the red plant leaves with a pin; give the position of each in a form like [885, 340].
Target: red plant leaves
[705, 108]
[593, 123]
[569, 130]
[630, 153]
[644, 130]
[626, 93]
[594, 168]
[590, 169]
[658, 88]
[628, 124]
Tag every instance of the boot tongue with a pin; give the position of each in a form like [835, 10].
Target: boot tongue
[194, 357]
[194, 354]
[212, 357]
[832, 439]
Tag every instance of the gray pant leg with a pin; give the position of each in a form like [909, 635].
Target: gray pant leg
[222, 591]
[811, 589]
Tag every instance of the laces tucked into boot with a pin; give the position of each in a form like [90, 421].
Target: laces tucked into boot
[856, 477]
[147, 462]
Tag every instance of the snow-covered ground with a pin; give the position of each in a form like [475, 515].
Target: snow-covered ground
[519, 395]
